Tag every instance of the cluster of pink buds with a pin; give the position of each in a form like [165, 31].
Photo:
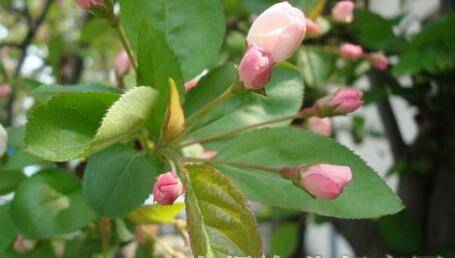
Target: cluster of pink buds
[274, 37]
[353, 52]
[167, 188]
[324, 181]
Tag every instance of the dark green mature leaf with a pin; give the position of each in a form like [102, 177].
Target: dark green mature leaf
[285, 239]
[64, 127]
[50, 203]
[284, 97]
[432, 50]
[375, 32]
[186, 25]
[365, 196]
[45, 92]
[210, 87]
[7, 229]
[157, 64]
[220, 223]
[316, 65]
[119, 179]
[10, 179]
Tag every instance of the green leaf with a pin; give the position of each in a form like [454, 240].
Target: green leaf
[42, 250]
[45, 92]
[157, 64]
[285, 239]
[284, 97]
[210, 87]
[220, 222]
[50, 203]
[156, 214]
[175, 119]
[316, 65]
[435, 44]
[10, 179]
[119, 179]
[366, 196]
[87, 122]
[375, 32]
[193, 29]
[126, 118]
[64, 127]
[7, 228]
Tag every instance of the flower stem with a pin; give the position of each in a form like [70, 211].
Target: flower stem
[126, 45]
[242, 129]
[235, 164]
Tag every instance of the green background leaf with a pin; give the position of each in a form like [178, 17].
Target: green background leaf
[220, 223]
[8, 231]
[316, 65]
[185, 24]
[157, 64]
[64, 127]
[366, 196]
[50, 203]
[10, 179]
[284, 240]
[119, 179]
[155, 214]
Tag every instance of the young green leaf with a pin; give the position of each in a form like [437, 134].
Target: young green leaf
[366, 196]
[175, 119]
[193, 29]
[119, 179]
[155, 214]
[125, 118]
[10, 179]
[220, 223]
[316, 65]
[157, 64]
[7, 228]
[50, 203]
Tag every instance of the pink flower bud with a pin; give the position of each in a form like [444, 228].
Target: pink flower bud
[323, 180]
[350, 51]
[193, 82]
[312, 28]
[280, 29]
[343, 101]
[22, 245]
[322, 126]
[343, 11]
[88, 4]
[255, 68]
[167, 188]
[5, 90]
[122, 64]
[379, 61]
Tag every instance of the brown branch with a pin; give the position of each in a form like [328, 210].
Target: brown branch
[31, 33]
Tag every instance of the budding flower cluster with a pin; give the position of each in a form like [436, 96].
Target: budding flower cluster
[324, 181]
[343, 12]
[353, 52]
[274, 37]
[167, 188]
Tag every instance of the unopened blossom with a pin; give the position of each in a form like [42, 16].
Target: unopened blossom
[193, 82]
[280, 30]
[324, 181]
[351, 51]
[343, 11]
[312, 28]
[3, 140]
[322, 126]
[122, 64]
[167, 188]
[88, 4]
[255, 68]
[342, 102]
[5, 90]
[379, 61]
